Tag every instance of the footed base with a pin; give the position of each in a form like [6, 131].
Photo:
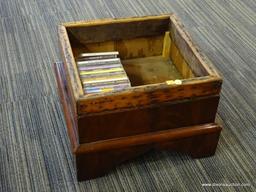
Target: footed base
[96, 159]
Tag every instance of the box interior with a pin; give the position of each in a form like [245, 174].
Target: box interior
[146, 49]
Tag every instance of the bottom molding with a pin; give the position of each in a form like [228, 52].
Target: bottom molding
[96, 159]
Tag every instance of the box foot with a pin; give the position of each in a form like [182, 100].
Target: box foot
[96, 159]
[197, 146]
[97, 164]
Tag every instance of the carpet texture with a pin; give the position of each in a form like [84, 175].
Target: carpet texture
[35, 151]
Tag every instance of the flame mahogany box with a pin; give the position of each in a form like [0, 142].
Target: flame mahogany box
[157, 112]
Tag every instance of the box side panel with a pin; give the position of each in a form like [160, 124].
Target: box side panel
[129, 48]
[170, 51]
[150, 94]
[119, 29]
[197, 61]
[147, 119]
[73, 80]
[67, 105]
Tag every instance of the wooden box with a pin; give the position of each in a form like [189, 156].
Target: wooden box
[171, 105]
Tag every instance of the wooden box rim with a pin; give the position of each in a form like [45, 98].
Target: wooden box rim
[139, 95]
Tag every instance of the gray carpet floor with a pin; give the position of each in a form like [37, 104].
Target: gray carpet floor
[34, 148]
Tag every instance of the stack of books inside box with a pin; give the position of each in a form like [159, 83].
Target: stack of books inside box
[102, 72]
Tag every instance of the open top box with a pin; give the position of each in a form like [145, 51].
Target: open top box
[154, 50]
[171, 104]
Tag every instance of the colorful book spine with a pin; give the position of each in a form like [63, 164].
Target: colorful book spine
[102, 72]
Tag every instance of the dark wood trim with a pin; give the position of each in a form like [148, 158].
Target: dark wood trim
[162, 116]
[154, 137]
[96, 159]
[70, 117]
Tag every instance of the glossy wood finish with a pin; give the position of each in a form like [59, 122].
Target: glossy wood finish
[109, 128]
[106, 149]
[95, 160]
[147, 119]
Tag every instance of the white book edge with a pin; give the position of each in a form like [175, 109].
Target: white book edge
[98, 54]
[101, 61]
